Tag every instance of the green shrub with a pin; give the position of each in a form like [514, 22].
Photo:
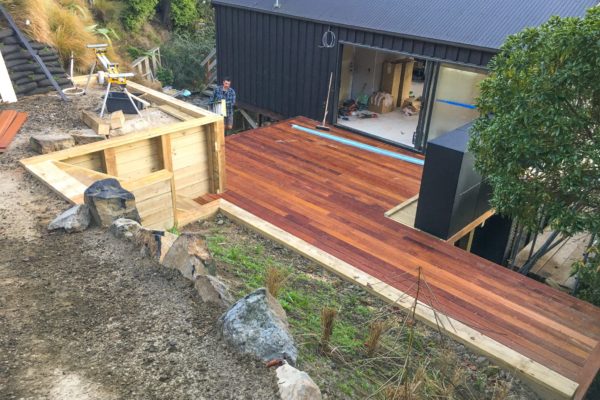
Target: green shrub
[589, 277]
[165, 76]
[138, 12]
[183, 55]
[107, 10]
[183, 13]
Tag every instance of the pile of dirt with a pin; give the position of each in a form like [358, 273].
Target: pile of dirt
[84, 316]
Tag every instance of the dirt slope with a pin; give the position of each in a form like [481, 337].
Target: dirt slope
[83, 316]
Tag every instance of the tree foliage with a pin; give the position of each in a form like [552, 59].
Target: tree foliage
[183, 13]
[138, 12]
[183, 54]
[589, 277]
[537, 141]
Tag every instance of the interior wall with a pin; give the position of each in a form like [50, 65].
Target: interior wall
[362, 69]
[367, 71]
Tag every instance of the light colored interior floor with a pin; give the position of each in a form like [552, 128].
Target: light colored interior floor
[394, 126]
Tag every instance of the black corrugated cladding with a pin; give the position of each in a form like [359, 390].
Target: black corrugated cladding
[277, 63]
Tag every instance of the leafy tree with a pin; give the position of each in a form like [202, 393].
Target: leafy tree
[138, 12]
[588, 270]
[183, 55]
[183, 13]
[537, 140]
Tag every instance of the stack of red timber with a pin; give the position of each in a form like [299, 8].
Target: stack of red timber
[10, 123]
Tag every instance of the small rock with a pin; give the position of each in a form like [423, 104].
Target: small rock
[190, 255]
[257, 325]
[213, 290]
[75, 219]
[44, 144]
[124, 228]
[154, 243]
[295, 384]
[108, 201]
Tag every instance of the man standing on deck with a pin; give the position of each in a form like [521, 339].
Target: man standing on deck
[226, 92]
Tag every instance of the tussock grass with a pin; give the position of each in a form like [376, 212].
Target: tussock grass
[376, 329]
[275, 279]
[108, 11]
[328, 315]
[62, 24]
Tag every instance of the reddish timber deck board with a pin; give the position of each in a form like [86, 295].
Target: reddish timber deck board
[10, 124]
[334, 196]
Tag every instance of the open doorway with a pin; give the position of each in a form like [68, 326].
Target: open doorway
[380, 93]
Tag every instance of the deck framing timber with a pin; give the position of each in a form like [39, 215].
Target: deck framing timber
[162, 166]
[333, 198]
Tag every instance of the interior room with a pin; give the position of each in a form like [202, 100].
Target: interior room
[380, 93]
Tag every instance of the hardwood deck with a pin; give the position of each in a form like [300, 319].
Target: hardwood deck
[334, 196]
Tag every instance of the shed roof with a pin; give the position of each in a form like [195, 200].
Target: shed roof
[477, 23]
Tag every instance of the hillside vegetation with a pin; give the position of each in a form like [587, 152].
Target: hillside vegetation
[183, 29]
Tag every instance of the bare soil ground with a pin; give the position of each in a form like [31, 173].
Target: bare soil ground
[84, 316]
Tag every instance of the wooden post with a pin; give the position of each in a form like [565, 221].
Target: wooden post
[167, 159]
[216, 156]
[109, 160]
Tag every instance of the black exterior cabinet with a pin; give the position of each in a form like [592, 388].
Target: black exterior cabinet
[452, 193]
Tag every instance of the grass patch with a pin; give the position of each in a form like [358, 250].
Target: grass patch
[374, 350]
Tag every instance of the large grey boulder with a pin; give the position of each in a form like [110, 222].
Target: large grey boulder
[190, 255]
[295, 384]
[44, 144]
[257, 325]
[124, 228]
[75, 219]
[108, 201]
[212, 290]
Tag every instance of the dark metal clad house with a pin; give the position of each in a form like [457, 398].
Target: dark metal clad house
[424, 58]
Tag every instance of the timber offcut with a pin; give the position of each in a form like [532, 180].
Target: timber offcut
[10, 124]
[333, 197]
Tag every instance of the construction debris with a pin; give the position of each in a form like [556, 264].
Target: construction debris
[44, 144]
[86, 137]
[10, 124]
[117, 120]
[96, 123]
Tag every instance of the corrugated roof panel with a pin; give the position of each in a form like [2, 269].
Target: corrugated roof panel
[478, 23]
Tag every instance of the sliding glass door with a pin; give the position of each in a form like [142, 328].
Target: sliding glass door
[454, 97]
